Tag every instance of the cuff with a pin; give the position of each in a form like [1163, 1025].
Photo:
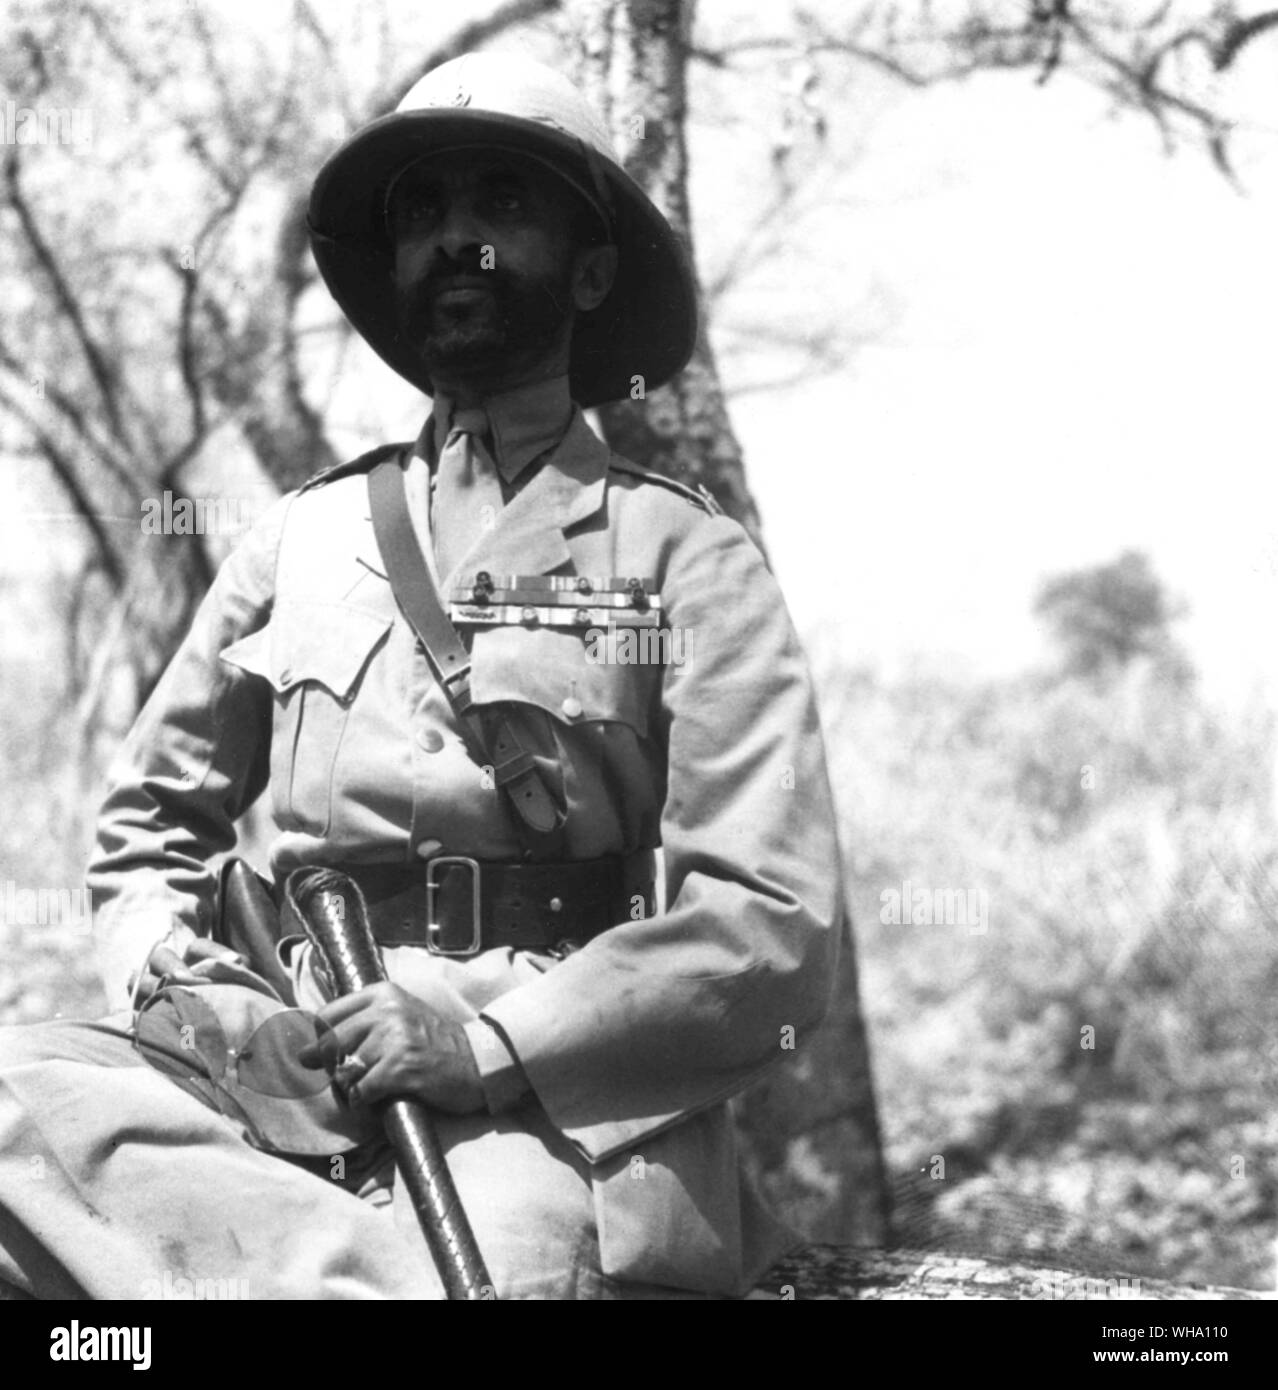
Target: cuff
[500, 1074]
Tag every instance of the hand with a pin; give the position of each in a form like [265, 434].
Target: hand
[201, 964]
[408, 1048]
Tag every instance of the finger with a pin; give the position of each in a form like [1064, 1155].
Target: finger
[336, 1043]
[339, 1010]
[223, 970]
[141, 991]
[204, 949]
[151, 984]
[376, 1084]
[323, 1054]
[180, 976]
[164, 960]
[353, 1036]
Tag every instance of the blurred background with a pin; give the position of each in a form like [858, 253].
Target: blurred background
[992, 294]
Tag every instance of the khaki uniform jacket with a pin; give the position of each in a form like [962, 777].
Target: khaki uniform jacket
[300, 673]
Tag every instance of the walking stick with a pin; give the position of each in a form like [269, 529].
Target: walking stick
[331, 908]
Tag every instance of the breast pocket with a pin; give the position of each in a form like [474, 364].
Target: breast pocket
[549, 668]
[314, 656]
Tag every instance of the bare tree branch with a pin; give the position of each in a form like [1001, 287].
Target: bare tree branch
[150, 85]
[1121, 54]
[104, 376]
[1239, 34]
[68, 475]
[103, 449]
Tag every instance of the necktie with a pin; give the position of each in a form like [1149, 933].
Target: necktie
[468, 492]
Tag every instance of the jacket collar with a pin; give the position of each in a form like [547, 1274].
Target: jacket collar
[529, 535]
[522, 424]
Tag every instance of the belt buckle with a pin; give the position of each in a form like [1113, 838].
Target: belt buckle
[434, 936]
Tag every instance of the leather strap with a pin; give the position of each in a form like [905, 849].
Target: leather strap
[479, 906]
[536, 814]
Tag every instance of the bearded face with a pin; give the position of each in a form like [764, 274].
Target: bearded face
[485, 253]
[466, 320]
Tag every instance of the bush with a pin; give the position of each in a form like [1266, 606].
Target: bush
[1119, 833]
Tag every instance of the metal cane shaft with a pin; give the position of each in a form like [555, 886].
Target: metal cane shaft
[332, 910]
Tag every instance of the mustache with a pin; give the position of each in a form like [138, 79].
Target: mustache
[418, 304]
[444, 270]
[433, 284]
[511, 292]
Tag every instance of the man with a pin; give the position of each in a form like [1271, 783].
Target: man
[578, 1040]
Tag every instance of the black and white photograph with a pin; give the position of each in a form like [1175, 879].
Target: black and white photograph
[640, 661]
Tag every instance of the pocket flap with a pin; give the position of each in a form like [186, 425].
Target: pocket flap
[324, 643]
[548, 668]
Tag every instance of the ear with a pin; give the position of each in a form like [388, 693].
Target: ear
[594, 270]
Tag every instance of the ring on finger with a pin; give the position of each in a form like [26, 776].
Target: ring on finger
[349, 1072]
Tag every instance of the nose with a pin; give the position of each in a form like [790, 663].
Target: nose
[458, 229]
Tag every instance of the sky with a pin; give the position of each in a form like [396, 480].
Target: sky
[1083, 361]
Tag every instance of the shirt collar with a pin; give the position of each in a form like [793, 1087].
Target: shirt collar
[523, 424]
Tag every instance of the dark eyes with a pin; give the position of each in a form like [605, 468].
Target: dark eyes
[422, 206]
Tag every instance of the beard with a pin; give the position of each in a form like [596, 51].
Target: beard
[520, 318]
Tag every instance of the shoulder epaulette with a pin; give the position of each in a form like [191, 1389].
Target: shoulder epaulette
[365, 463]
[699, 496]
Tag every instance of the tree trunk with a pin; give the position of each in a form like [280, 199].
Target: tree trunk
[631, 57]
[811, 1132]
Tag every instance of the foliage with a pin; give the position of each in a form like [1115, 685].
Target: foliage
[1096, 1066]
[1107, 615]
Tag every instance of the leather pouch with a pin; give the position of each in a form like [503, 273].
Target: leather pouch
[248, 921]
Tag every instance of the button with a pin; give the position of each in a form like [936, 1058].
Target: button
[431, 740]
[428, 849]
[571, 708]
[556, 904]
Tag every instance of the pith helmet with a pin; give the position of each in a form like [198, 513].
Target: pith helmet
[646, 327]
